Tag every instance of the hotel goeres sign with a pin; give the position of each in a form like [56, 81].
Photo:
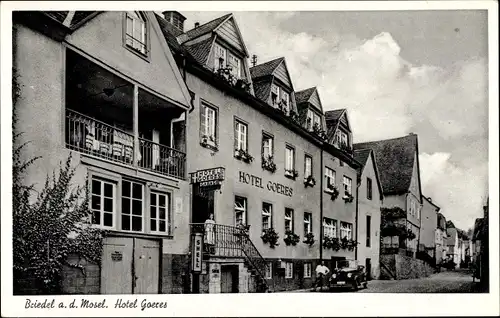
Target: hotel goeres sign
[255, 181]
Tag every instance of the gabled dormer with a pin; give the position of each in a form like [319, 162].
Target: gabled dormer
[311, 109]
[218, 45]
[339, 130]
[273, 85]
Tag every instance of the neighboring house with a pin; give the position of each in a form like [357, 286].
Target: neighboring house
[398, 166]
[369, 203]
[245, 121]
[428, 227]
[453, 246]
[104, 86]
[480, 239]
[440, 238]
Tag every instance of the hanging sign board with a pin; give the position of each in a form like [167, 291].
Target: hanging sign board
[196, 253]
[206, 175]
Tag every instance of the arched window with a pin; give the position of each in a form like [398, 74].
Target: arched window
[136, 32]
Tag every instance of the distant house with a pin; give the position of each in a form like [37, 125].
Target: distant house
[480, 241]
[453, 246]
[440, 238]
[369, 203]
[398, 165]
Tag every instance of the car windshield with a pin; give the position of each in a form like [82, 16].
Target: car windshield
[347, 264]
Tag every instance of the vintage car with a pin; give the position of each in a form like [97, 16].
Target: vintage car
[348, 274]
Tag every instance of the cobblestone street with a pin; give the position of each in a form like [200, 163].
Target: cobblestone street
[444, 282]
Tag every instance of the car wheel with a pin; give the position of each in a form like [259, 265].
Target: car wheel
[365, 285]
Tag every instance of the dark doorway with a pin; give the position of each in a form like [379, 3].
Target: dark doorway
[203, 204]
[229, 279]
[368, 264]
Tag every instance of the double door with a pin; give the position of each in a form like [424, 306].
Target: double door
[130, 266]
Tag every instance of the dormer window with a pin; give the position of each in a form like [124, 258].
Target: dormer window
[342, 139]
[313, 119]
[224, 58]
[136, 32]
[280, 98]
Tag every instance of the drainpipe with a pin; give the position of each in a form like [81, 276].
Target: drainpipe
[356, 220]
[321, 209]
[191, 108]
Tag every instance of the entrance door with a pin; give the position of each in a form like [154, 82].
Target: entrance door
[116, 273]
[203, 204]
[146, 266]
[229, 279]
[368, 266]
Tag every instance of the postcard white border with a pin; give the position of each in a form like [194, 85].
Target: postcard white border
[275, 304]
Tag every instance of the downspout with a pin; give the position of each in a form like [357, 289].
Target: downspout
[356, 220]
[321, 208]
[191, 108]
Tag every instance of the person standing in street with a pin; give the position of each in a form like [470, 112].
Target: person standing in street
[321, 272]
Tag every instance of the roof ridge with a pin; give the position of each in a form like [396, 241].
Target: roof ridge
[221, 17]
[268, 62]
[390, 139]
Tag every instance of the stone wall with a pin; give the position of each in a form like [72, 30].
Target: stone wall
[175, 274]
[78, 281]
[404, 267]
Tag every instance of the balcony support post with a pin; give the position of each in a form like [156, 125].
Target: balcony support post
[136, 125]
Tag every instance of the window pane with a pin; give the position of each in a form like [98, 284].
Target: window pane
[162, 213]
[136, 223]
[96, 217]
[125, 206]
[162, 226]
[96, 202]
[108, 205]
[96, 187]
[137, 191]
[108, 219]
[162, 200]
[126, 222]
[153, 225]
[126, 188]
[136, 207]
[108, 190]
[153, 212]
[153, 199]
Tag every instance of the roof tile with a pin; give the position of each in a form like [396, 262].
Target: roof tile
[266, 68]
[202, 29]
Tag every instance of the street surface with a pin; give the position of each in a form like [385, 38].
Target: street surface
[444, 282]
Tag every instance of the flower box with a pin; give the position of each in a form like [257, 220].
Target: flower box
[242, 155]
[292, 174]
[309, 182]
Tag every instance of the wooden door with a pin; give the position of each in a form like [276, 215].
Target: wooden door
[229, 279]
[146, 266]
[116, 273]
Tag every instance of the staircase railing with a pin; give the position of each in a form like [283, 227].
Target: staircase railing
[230, 241]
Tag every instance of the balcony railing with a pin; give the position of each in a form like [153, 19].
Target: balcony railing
[88, 135]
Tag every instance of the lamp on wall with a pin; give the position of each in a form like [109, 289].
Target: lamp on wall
[109, 91]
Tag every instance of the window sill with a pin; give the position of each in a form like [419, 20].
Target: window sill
[209, 146]
[290, 177]
[143, 56]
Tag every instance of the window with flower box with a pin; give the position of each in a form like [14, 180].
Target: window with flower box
[312, 119]
[288, 270]
[308, 166]
[132, 206]
[267, 145]
[241, 136]
[307, 223]
[289, 161]
[288, 219]
[329, 178]
[347, 186]
[240, 210]
[345, 230]
[329, 227]
[103, 202]
[208, 125]
[307, 270]
[267, 216]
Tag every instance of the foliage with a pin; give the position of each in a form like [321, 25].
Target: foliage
[348, 244]
[318, 131]
[345, 147]
[291, 238]
[334, 191]
[52, 225]
[268, 164]
[390, 227]
[243, 155]
[291, 173]
[393, 213]
[309, 239]
[269, 236]
[332, 243]
[309, 181]
[205, 141]
[348, 197]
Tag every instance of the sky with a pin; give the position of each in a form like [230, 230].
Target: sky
[395, 72]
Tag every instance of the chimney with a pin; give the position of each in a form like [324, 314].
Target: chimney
[175, 18]
[196, 24]
[254, 60]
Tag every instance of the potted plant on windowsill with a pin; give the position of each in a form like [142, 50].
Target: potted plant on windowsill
[309, 239]
[332, 243]
[243, 155]
[283, 107]
[333, 191]
[243, 84]
[268, 164]
[348, 197]
[209, 142]
[291, 173]
[291, 238]
[309, 181]
[269, 236]
[318, 131]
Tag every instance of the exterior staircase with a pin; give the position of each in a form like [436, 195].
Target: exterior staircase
[234, 242]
